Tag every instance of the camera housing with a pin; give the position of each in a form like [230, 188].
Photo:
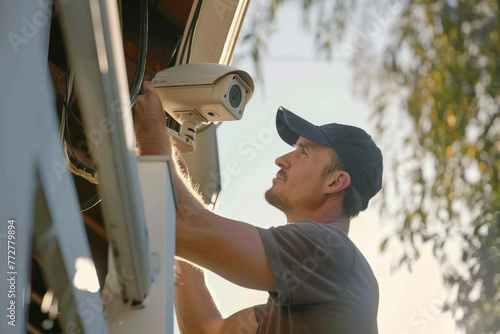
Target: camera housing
[197, 93]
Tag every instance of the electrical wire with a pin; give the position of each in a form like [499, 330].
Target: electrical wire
[77, 166]
[90, 203]
[61, 99]
[191, 37]
[67, 104]
[188, 43]
[70, 81]
[63, 111]
[143, 46]
[85, 171]
[194, 23]
[171, 62]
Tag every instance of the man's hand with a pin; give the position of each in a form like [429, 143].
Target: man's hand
[150, 124]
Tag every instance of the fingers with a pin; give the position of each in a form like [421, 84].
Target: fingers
[148, 90]
[148, 87]
[149, 102]
[139, 100]
[150, 123]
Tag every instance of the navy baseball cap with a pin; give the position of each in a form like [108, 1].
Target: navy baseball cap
[355, 148]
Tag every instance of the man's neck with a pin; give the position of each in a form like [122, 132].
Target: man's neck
[335, 219]
[341, 222]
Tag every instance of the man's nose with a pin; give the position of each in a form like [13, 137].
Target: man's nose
[283, 162]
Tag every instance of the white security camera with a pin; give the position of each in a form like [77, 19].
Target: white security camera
[197, 93]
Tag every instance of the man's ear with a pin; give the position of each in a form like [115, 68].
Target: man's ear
[338, 181]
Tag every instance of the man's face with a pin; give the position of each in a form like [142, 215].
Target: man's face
[299, 184]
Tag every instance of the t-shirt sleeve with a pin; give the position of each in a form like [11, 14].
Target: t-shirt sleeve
[311, 262]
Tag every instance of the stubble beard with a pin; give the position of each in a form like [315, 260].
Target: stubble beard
[279, 201]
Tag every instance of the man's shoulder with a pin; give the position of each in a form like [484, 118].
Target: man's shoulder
[312, 227]
[335, 237]
[309, 233]
[310, 224]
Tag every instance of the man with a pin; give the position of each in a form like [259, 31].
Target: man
[317, 279]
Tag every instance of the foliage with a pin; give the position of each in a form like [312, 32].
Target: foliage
[443, 61]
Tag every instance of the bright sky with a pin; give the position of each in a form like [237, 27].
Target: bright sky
[322, 93]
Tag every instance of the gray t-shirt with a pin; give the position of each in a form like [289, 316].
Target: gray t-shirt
[324, 283]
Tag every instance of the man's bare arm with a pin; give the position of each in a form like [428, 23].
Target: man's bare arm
[194, 306]
[230, 248]
[196, 310]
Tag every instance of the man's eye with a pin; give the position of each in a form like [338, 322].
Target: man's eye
[304, 152]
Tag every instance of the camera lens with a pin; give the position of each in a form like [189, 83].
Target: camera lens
[235, 96]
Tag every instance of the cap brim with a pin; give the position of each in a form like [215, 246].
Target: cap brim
[290, 127]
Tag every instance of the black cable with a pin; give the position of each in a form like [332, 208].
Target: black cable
[191, 37]
[68, 103]
[90, 203]
[143, 46]
[171, 62]
[190, 45]
[190, 34]
[79, 164]
[61, 99]
[70, 98]
[184, 46]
